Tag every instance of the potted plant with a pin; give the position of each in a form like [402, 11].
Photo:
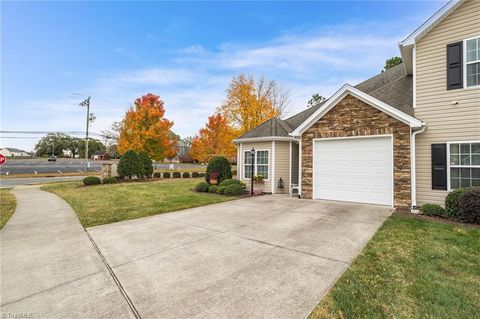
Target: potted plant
[214, 177]
[258, 179]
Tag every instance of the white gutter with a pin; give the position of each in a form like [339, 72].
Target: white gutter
[413, 179]
[273, 168]
[265, 139]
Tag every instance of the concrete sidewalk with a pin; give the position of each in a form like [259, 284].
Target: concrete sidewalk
[49, 267]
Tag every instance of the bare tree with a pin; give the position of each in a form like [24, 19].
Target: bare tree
[112, 136]
[270, 91]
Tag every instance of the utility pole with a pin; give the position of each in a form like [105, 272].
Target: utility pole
[90, 118]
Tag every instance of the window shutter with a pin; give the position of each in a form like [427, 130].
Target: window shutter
[454, 66]
[439, 166]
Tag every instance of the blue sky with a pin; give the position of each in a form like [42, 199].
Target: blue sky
[186, 52]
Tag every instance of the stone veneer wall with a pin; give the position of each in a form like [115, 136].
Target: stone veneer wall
[353, 117]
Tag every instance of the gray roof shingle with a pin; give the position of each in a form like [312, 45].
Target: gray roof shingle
[392, 86]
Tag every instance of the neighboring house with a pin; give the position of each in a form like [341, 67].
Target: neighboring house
[14, 152]
[402, 138]
[100, 156]
[183, 152]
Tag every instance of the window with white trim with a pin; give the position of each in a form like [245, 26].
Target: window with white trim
[464, 165]
[260, 165]
[472, 62]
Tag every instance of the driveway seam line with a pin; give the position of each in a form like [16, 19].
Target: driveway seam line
[216, 233]
[115, 279]
[166, 250]
[52, 288]
[290, 249]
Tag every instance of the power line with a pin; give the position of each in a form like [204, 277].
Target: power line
[48, 132]
[21, 137]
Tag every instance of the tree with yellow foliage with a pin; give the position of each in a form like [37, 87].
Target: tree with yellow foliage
[145, 128]
[250, 103]
[215, 139]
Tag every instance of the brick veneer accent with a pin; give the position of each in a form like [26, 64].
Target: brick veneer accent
[353, 117]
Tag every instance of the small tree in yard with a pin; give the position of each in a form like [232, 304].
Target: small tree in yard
[130, 165]
[221, 166]
[147, 164]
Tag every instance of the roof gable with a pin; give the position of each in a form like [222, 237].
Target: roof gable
[348, 89]
[431, 22]
[406, 46]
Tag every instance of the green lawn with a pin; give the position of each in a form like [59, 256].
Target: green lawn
[410, 269]
[7, 206]
[103, 204]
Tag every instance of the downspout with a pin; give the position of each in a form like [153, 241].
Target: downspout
[413, 164]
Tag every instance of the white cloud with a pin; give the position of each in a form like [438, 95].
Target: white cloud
[193, 84]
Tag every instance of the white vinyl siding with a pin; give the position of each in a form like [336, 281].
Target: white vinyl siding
[447, 120]
[282, 162]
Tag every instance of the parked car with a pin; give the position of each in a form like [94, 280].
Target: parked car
[52, 159]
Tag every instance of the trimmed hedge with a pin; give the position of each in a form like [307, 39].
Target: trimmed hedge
[221, 190]
[202, 187]
[130, 165]
[91, 180]
[233, 190]
[157, 175]
[220, 165]
[229, 181]
[110, 180]
[433, 210]
[469, 206]
[451, 201]
[166, 175]
[195, 174]
[176, 175]
[186, 175]
[146, 163]
[212, 189]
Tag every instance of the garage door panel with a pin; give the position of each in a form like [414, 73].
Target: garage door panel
[354, 169]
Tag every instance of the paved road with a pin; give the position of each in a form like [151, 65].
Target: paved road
[64, 165]
[30, 166]
[37, 180]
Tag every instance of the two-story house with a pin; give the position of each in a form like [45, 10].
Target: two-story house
[402, 138]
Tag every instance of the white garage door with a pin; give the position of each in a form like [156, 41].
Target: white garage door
[354, 170]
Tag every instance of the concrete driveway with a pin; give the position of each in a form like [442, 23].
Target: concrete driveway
[265, 257]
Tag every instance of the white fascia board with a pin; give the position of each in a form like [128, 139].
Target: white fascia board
[265, 139]
[406, 46]
[431, 22]
[348, 89]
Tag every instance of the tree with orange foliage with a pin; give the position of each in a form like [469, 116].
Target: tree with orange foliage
[250, 103]
[215, 139]
[145, 128]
